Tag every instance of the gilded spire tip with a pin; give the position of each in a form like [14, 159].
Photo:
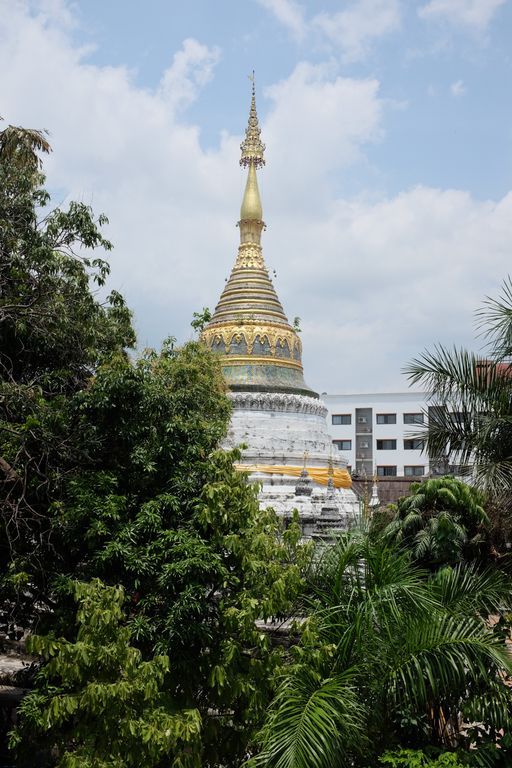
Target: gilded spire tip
[252, 146]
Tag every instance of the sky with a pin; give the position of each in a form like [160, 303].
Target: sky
[387, 192]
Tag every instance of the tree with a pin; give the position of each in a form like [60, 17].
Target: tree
[54, 332]
[473, 422]
[441, 521]
[97, 703]
[53, 329]
[200, 319]
[113, 473]
[390, 657]
[181, 530]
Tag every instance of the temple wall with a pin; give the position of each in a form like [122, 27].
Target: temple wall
[280, 427]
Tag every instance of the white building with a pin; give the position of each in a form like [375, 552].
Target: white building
[378, 432]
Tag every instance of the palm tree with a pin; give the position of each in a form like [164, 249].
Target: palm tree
[474, 420]
[389, 656]
[441, 521]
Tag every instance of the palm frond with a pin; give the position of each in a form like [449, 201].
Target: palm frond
[337, 566]
[466, 588]
[495, 322]
[455, 376]
[493, 477]
[439, 657]
[313, 723]
[490, 706]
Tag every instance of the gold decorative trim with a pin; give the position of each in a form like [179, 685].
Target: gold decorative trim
[242, 317]
[249, 257]
[246, 321]
[252, 289]
[280, 362]
[251, 295]
[260, 314]
[276, 335]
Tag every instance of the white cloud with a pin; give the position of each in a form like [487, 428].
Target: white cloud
[316, 126]
[359, 25]
[377, 282]
[124, 150]
[373, 281]
[289, 13]
[191, 69]
[475, 14]
[351, 31]
[458, 88]
[54, 12]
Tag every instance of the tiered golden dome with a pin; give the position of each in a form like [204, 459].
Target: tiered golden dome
[260, 349]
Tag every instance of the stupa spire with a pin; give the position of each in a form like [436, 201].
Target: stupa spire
[260, 349]
[251, 213]
[252, 146]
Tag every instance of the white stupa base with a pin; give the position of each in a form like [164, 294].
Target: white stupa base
[290, 430]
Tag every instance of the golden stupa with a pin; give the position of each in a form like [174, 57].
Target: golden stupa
[276, 417]
[260, 350]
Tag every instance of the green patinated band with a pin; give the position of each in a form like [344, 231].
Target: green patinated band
[266, 378]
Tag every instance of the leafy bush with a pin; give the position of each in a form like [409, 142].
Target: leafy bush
[409, 758]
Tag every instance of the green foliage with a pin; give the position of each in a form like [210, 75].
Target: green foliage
[113, 472]
[409, 758]
[200, 563]
[53, 329]
[158, 511]
[181, 530]
[97, 704]
[312, 719]
[473, 424]
[391, 656]
[53, 333]
[200, 319]
[441, 521]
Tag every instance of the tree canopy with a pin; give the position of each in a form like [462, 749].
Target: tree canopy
[441, 521]
[97, 703]
[111, 471]
[392, 656]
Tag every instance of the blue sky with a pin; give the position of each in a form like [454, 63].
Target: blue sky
[449, 84]
[388, 127]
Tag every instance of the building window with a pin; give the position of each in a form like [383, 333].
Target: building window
[386, 418]
[386, 471]
[386, 445]
[414, 444]
[341, 418]
[414, 418]
[343, 445]
[414, 471]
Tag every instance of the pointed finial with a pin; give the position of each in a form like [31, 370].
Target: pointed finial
[375, 501]
[252, 146]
